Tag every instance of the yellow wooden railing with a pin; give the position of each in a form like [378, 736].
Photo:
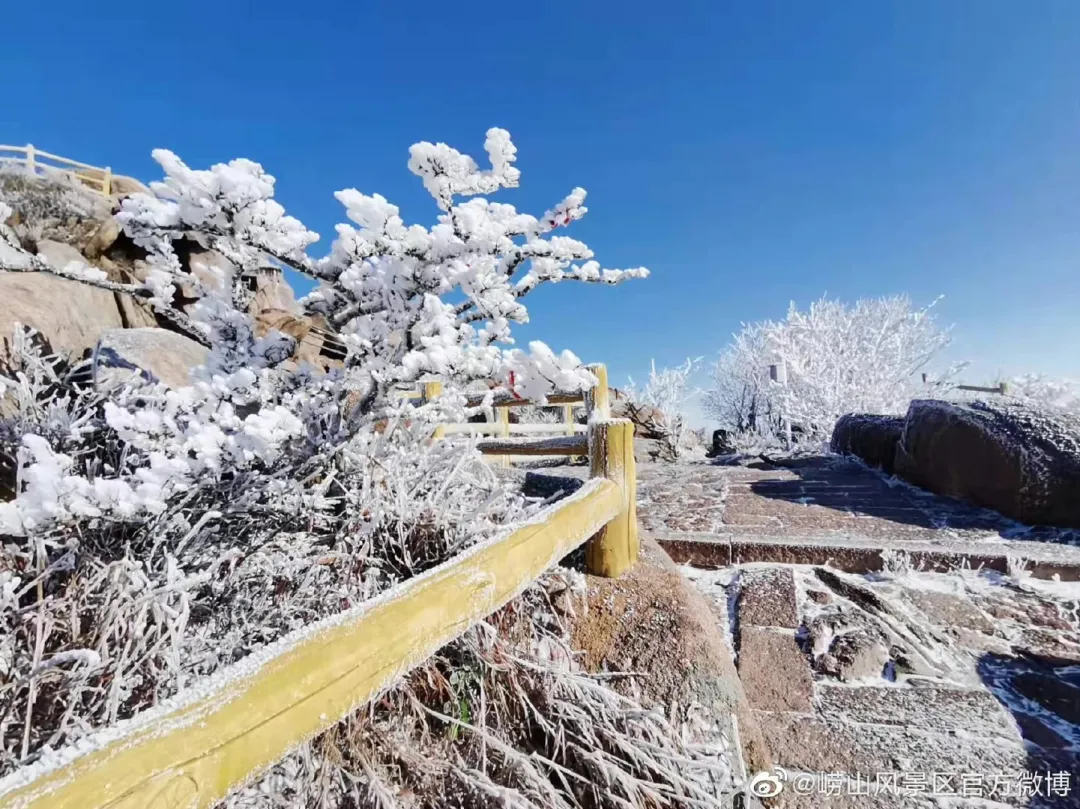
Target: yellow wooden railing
[504, 445]
[95, 178]
[191, 751]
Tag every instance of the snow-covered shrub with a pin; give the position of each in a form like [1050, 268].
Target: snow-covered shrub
[383, 286]
[53, 196]
[667, 391]
[157, 535]
[865, 358]
[1045, 391]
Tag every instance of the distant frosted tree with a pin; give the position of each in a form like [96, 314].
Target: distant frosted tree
[1045, 391]
[740, 397]
[868, 357]
[666, 391]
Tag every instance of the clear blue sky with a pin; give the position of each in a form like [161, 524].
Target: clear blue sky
[748, 153]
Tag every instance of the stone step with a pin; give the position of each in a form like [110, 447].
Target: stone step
[939, 710]
[862, 554]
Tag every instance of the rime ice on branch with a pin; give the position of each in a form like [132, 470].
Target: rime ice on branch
[385, 287]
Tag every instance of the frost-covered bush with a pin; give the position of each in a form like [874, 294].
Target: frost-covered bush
[739, 397]
[384, 287]
[868, 357]
[1045, 391]
[39, 199]
[505, 717]
[667, 391]
[120, 592]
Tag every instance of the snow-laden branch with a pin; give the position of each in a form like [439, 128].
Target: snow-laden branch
[394, 293]
[666, 391]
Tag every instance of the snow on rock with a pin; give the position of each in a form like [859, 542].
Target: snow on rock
[871, 438]
[1006, 455]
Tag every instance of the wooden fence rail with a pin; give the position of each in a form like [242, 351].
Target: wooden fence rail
[191, 751]
[95, 178]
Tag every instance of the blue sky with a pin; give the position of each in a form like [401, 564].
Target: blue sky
[749, 153]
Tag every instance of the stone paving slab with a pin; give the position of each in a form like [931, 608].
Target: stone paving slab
[813, 744]
[767, 598]
[948, 610]
[940, 710]
[825, 495]
[988, 715]
[857, 553]
[992, 695]
[774, 671]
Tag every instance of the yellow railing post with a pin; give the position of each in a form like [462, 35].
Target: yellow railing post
[596, 398]
[432, 391]
[504, 431]
[106, 182]
[30, 158]
[614, 549]
[504, 421]
[568, 417]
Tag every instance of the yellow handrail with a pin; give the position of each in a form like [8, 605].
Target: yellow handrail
[190, 752]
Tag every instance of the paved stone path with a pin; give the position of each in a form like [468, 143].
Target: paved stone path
[945, 689]
[832, 510]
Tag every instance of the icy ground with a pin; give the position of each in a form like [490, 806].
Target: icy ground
[958, 688]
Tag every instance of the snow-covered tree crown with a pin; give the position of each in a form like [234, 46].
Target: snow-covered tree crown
[668, 391]
[383, 288]
[384, 285]
[837, 358]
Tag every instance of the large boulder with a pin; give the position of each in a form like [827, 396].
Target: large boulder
[871, 438]
[210, 267]
[272, 292]
[102, 239]
[652, 621]
[158, 354]
[134, 313]
[1004, 455]
[648, 421]
[71, 315]
[59, 254]
[723, 443]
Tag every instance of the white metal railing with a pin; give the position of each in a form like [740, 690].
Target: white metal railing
[96, 178]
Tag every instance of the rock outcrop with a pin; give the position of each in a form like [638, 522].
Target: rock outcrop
[70, 314]
[102, 239]
[1008, 456]
[161, 355]
[682, 656]
[722, 443]
[648, 421]
[871, 438]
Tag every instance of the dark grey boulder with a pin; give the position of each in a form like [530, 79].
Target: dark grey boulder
[1005, 455]
[871, 438]
[722, 443]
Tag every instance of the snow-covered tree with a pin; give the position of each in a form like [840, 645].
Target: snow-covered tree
[407, 302]
[660, 405]
[739, 398]
[1045, 391]
[869, 357]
